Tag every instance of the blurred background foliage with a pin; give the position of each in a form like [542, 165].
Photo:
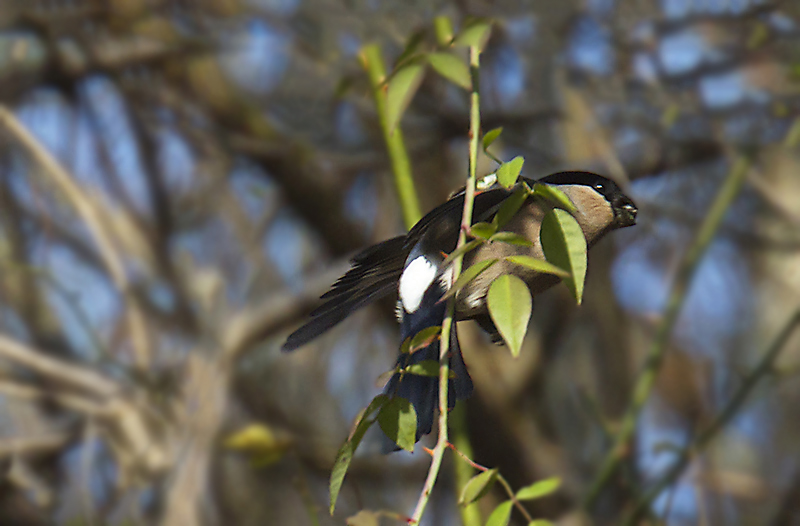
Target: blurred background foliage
[179, 181]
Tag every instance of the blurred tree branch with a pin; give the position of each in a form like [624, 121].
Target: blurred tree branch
[644, 384]
[97, 220]
[763, 368]
[202, 272]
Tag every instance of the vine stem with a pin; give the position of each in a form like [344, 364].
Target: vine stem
[644, 384]
[511, 495]
[444, 348]
[470, 514]
[372, 61]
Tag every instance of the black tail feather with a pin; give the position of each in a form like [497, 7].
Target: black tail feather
[423, 391]
[374, 275]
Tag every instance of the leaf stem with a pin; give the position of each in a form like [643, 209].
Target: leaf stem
[511, 495]
[470, 514]
[644, 384]
[372, 61]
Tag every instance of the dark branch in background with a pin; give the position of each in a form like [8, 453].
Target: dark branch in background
[316, 194]
[161, 228]
[788, 512]
[262, 320]
[13, 219]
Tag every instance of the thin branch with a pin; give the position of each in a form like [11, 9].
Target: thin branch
[470, 514]
[96, 220]
[768, 193]
[762, 369]
[401, 165]
[23, 476]
[69, 401]
[281, 308]
[444, 347]
[130, 434]
[31, 446]
[644, 385]
[506, 486]
[69, 297]
[441, 442]
[73, 375]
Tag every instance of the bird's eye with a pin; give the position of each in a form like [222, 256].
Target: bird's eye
[599, 187]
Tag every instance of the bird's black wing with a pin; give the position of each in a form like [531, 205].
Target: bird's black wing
[438, 230]
[374, 274]
[377, 269]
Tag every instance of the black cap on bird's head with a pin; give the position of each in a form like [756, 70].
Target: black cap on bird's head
[624, 208]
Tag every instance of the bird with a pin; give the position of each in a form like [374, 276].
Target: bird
[414, 267]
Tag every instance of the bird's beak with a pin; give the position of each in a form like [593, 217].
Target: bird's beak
[626, 214]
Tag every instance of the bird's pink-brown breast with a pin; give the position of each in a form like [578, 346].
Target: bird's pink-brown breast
[594, 215]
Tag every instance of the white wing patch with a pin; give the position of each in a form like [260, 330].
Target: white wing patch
[414, 281]
[486, 182]
[446, 279]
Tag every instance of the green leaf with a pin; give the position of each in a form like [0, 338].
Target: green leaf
[444, 30]
[485, 182]
[540, 522]
[477, 487]
[510, 305]
[475, 34]
[386, 376]
[491, 136]
[452, 68]
[554, 195]
[348, 449]
[510, 207]
[424, 338]
[539, 489]
[511, 238]
[364, 518]
[463, 249]
[565, 247]
[468, 275]
[508, 172]
[398, 420]
[260, 443]
[539, 265]
[482, 230]
[670, 116]
[426, 368]
[412, 44]
[501, 514]
[402, 87]
[343, 86]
